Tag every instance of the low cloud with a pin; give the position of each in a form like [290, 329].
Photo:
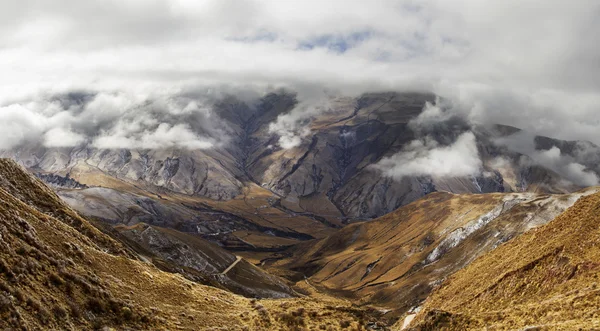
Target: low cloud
[531, 64]
[445, 146]
[569, 166]
[62, 137]
[564, 165]
[294, 126]
[114, 120]
[19, 124]
[425, 157]
[433, 114]
[164, 136]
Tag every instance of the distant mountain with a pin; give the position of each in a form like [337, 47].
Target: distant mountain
[251, 190]
[377, 199]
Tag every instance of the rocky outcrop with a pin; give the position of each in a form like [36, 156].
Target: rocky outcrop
[60, 181]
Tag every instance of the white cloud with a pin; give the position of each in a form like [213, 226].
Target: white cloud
[293, 127]
[432, 114]
[436, 116]
[527, 63]
[565, 166]
[18, 124]
[117, 120]
[164, 136]
[290, 138]
[61, 137]
[425, 157]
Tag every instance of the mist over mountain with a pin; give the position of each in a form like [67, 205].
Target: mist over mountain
[120, 82]
[365, 156]
[361, 152]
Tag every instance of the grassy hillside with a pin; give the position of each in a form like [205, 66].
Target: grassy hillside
[58, 272]
[396, 260]
[544, 279]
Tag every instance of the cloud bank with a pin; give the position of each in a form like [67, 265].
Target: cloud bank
[112, 121]
[293, 126]
[527, 63]
[425, 157]
[577, 166]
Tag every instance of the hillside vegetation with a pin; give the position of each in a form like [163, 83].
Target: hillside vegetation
[396, 260]
[544, 279]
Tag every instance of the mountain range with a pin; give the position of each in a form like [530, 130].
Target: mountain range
[342, 208]
[345, 165]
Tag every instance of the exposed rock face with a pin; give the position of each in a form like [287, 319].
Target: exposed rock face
[60, 181]
[334, 162]
[186, 172]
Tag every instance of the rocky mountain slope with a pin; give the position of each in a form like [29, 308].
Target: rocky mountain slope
[254, 221]
[59, 272]
[252, 194]
[396, 260]
[544, 279]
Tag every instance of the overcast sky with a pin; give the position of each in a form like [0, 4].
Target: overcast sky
[534, 64]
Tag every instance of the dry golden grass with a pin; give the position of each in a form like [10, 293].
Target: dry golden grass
[385, 261]
[263, 240]
[546, 278]
[392, 246]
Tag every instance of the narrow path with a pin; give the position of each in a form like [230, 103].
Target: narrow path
[237, 260]
[310, 285]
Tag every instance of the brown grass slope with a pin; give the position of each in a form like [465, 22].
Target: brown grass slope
[546, 279]
[396, 260]
[363, 259]
[58, 272]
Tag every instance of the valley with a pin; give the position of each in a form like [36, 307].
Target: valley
[317, 222]
[269, 165]
[57, 271]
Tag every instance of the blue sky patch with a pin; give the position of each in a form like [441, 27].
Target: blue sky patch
[335, 43]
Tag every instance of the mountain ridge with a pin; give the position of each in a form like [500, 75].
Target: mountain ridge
[344, 140]
[398, 259]
[545, 278]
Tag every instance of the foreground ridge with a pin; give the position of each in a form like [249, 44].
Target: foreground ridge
[546, 278]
